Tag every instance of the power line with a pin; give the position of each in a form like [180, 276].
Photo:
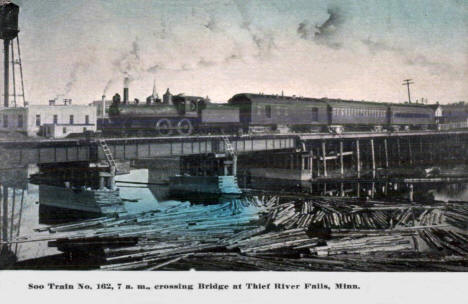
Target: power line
[407, 83]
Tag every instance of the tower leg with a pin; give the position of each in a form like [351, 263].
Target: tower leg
[6, 75]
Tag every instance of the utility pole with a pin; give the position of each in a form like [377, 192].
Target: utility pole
[407, 83]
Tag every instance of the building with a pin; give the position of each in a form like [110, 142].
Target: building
[53, 120]
[98, 105]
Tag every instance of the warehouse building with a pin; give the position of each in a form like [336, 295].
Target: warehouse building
[53, 120]
[98, 105]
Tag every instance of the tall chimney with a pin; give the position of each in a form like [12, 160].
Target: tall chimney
[125, 92]
[103, 107]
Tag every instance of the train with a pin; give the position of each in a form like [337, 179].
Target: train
[260, 113]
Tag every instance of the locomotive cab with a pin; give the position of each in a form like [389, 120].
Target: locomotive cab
[188, 105]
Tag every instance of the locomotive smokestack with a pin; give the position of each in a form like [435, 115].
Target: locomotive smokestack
[125, 92]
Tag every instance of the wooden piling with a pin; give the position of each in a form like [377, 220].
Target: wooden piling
[234, 165]
[5, 214]
[398, 151]
[386, 153]
[311, 163]
[373, 157]
[341, 159]
[447, 146]
[358, 160]
[411, 192]
[421, 155]
[324, 155]
[12, 212]
[318, 162]
[431, 156]
[410, 151]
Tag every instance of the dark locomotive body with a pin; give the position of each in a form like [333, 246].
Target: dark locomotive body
[178, 114]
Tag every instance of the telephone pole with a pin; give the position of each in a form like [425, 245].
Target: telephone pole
[407, 83]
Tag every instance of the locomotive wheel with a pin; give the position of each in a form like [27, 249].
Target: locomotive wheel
[164, 127]
[184, 127]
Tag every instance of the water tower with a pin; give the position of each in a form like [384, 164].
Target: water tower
[8, 31]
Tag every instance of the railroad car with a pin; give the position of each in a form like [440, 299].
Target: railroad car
[453, 116]
[219, 118]
[259, 112]
[411, 116]
[356, 115]
[457, 112]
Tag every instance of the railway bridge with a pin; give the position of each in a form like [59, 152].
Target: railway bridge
[313, 156]
[21, 153]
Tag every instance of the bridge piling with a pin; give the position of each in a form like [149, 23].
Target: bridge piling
[341, 159]
[373, 157]
[324, 155]
[358, 159]
[386, 153]
[398, 151]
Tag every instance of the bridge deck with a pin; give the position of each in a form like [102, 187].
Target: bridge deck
[20, 153]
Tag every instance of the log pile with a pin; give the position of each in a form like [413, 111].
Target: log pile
[336, 214]
[364, 245]
[457, 215]
[273, 233]
[450, 242]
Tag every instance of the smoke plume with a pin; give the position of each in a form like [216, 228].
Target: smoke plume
[410, 57]
[263, 40]
[77, 68]
[325, 33]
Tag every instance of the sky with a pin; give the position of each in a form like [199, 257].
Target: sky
[360, 50]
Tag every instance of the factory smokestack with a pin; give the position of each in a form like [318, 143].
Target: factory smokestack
[125, 92]
[103, 108]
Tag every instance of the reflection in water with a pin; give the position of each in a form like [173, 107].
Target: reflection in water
[78, 187]
[12, 196]
[52, 215]
[450, 192]
[25, 207]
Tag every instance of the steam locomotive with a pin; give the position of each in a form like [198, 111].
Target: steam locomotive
[186, 115]
[180, 114]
